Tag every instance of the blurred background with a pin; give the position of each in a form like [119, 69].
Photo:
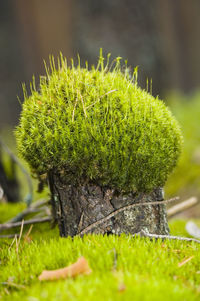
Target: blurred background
[161, 37]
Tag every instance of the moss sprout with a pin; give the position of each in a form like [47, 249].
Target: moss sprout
[97, 125]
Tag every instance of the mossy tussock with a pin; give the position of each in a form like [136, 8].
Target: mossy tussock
[96, 125]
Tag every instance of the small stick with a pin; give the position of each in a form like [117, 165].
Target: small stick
[45, 211]
[182, 206]
[28, 222]
[103, 220]
[20, 235]
[40, 202]
[17, 249]
[22, 214]
[28, 233]
[12, 243]
[171, 237]
[9, 235]
[13, 284]
[32, 209]
[111, 91]
[186, 260]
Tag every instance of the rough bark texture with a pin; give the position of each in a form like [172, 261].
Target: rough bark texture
[77, 207]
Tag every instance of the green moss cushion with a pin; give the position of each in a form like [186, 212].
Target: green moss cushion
[98, 125]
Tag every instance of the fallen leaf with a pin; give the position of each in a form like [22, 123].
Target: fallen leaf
[121, 287]
[81, 266]
[185, 260]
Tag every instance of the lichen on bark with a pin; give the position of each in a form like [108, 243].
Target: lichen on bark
[77, 207]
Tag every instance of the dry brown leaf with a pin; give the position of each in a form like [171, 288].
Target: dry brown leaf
[81, 266]
[185, 260]
[121, 287]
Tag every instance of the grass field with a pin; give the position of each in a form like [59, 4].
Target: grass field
[123, 267]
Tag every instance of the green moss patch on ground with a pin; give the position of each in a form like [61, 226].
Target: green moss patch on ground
[142, 270]
[97, 125]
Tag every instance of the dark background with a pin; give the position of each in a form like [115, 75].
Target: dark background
[162, 37]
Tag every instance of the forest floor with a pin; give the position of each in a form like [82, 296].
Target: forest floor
[123, 267]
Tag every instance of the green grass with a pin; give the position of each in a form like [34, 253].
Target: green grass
[148, 269]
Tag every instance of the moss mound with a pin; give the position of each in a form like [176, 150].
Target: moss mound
[98, 125]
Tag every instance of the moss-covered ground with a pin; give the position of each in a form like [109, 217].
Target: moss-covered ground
[124, 268]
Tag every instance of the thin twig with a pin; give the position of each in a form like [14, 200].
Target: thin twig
[182, 206]
[17, 249]
[186, 260]
[9, 235]
[28, 222]
[171, 237]
[39, 203]
[13, 284]
[103, 220]
[22, 214]
[20, 235]
[18, 240]
[111, 91]
[32, 209]
[12, 243]
[28, 233]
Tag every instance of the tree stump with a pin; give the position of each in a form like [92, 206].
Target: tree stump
[75, 207]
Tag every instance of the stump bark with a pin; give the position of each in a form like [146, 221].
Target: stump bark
[75, 207]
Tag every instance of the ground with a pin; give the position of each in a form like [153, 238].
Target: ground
[122, 267]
